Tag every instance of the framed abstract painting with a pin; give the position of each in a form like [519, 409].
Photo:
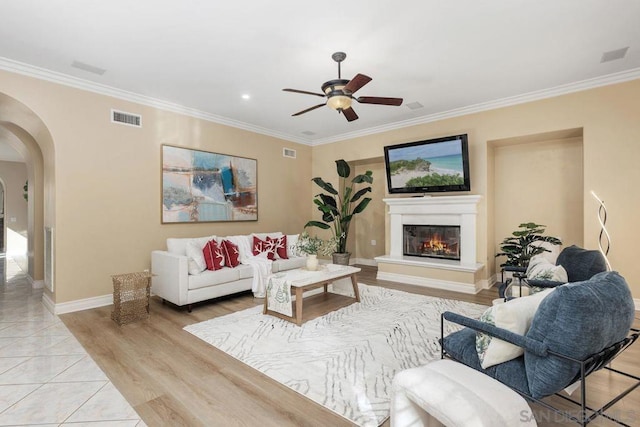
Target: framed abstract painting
[199, 186]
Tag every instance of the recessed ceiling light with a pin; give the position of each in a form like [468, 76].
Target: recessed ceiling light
[246, 96]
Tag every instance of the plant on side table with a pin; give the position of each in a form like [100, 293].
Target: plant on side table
[520, 247]
[338, 207]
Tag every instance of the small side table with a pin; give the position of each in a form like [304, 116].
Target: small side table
[131, 294]
[514, 289]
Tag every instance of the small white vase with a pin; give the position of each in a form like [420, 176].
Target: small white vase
[312, 262]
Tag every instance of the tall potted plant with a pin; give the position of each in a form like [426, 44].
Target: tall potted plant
[338, 207]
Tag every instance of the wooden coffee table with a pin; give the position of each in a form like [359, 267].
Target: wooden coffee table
[303, 280]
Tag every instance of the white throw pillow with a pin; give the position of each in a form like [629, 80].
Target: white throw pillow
[541, 269]
[514, 315]
[178, 246]
[243, 243]
[292, 245]
[196, 260]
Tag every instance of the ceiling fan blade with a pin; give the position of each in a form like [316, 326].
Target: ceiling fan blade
[308, 109]
[379, 100]
[304, 91]
[356, 83]
[350, 114]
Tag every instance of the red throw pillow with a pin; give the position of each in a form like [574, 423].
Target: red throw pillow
[231, 254]
[213, 255]
[280, 244]
[260, 246]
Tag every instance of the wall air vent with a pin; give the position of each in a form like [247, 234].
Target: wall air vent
[614, 55]
[289, 152]
[128, 119]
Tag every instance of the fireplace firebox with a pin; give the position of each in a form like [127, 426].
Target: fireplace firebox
[432, 241]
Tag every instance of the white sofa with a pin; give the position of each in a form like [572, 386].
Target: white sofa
[173, 282]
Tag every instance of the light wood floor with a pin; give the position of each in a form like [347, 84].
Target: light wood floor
[173, 378]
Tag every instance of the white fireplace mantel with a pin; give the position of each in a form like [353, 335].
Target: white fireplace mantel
[460, 276]
[443, 210]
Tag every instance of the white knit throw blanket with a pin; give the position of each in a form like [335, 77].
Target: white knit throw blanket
[261, 271]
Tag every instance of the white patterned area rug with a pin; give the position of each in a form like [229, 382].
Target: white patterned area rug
[346, 359]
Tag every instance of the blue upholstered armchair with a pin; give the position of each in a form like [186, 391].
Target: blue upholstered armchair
[580, 264]
[577, 328]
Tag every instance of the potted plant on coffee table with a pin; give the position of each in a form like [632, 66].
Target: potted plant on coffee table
[339, 206]
[311, 245]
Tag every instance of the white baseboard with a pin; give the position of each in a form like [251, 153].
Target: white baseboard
[464, 288]
[48, 303]
[77, 305]
[487, 283]
[636, 301]
[364, 261]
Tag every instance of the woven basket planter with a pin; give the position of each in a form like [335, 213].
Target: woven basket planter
[131, 293]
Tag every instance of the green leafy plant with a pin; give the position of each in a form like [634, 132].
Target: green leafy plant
[26, 191]
[338, 207]
[519, 248]
[311, 245]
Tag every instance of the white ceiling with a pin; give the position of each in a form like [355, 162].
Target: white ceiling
[446, 55]
[8, 154]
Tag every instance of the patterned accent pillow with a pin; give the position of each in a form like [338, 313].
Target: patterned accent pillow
[261, 246]
[231, 254]
[213, 255]
[514, 315]
[483, 340]
[280, 244]
[541, 269]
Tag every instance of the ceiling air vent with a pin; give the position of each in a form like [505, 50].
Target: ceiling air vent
[128, 119]
[289, 152]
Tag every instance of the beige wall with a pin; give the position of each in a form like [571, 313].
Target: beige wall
[367, 224]
[539, 182]
[611, 129]
[107, 191]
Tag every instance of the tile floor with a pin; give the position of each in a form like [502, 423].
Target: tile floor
[46, 377]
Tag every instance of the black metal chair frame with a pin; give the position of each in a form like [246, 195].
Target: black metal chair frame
[597, 361]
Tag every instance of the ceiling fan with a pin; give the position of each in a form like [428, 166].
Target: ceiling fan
[339, 93]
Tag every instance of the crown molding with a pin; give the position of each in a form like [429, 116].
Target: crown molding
[609, 79]
[86, 85]
[75, 82]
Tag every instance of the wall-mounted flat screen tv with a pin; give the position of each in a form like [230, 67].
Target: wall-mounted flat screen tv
[434, 165]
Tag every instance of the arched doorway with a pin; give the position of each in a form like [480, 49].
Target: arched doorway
[27, 134]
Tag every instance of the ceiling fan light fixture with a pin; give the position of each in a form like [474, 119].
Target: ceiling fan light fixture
[339, 102]
[336, 98]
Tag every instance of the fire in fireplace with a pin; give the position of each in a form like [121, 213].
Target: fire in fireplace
[434, 241]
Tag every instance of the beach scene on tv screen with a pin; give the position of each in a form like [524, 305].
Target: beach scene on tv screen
[429, 165]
